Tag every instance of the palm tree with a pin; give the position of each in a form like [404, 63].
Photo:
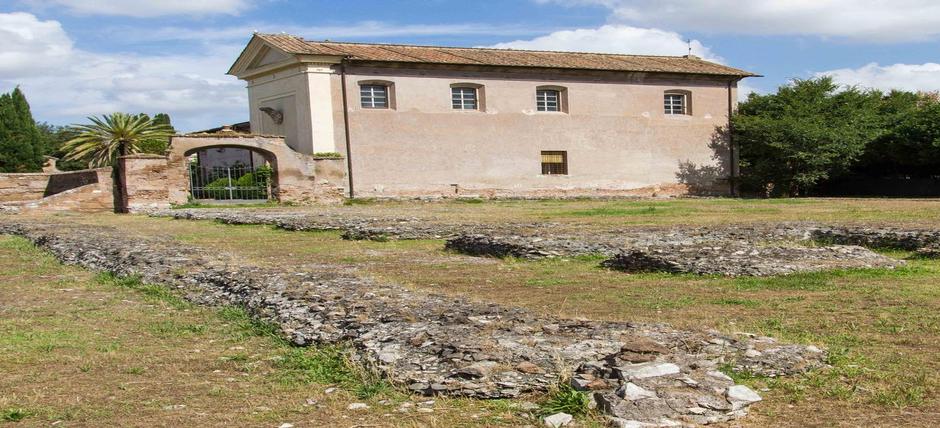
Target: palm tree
[112, 136]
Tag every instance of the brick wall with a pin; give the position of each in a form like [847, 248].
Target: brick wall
[20, 187]
[146, 180]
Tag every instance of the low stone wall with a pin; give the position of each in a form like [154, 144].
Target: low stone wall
[433, 344]
[878, 237]
[22, 187]
[743, 259]
[526, 247]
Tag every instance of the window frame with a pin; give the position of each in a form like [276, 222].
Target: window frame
[479, 94]
[549, 168]
[562, 93]
[686, 97]
[389, 94]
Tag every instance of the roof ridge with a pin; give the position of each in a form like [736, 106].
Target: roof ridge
[406, 45]
[400, 52]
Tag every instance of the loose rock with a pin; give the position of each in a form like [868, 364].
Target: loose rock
[558, 420]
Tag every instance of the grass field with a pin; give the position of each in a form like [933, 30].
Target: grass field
[78, 349]
[881, 327]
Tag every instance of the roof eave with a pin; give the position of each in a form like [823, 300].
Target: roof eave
[742, 75]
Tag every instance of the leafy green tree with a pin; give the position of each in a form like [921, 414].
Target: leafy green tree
[110, 136]
[54, 137]
[20, 140]
[159, 145]
[910, 145]
[807, 132]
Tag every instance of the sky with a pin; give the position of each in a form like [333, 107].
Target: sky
[77, 58]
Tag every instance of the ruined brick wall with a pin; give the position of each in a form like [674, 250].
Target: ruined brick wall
[146, 180]
[83, 191]
[327, 184]
[299, 178]
[23, 187]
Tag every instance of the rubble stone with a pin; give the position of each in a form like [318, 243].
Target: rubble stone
[558, 420]
[742, 259]
[436, 344]
[646, 370]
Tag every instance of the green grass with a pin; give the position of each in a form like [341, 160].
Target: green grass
[193, 204]
[153, 293]
[360, 201]
[647, 209]
[14, 414]
[328, 155]
[564, 398]
[123, 351]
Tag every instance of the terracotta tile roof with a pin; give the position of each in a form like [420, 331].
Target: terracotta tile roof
[500, 57]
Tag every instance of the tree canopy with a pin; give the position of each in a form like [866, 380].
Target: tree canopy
[812, 131]
[21, 144]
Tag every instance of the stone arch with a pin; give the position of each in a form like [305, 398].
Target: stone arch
[294, 174]
[265, 155]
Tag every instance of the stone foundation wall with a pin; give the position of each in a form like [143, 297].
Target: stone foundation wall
[650, 374]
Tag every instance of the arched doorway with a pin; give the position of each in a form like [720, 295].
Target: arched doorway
[231, 173]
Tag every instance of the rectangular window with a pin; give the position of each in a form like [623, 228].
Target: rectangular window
[555, 163]
[675, 103]
[547, 100]
[464, 98]
[374, 96]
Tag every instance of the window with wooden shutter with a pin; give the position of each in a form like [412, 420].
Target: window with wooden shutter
[555, 163]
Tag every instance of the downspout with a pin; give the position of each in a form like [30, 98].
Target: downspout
[732, 179]
[349, 168]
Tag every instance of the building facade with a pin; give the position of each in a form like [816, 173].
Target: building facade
[414, 120]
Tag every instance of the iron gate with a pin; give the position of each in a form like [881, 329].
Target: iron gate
[230, 183]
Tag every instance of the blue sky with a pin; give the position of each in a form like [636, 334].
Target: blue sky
[75, 58]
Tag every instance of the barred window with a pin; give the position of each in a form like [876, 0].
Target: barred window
[374, 96]
[464, 98]
[675, 103]
[554, 163]
[547, 100]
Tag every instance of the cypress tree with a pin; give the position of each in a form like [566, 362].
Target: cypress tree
[157, 146]
[20, 139]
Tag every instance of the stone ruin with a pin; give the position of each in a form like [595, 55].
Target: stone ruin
[433, 344]
[760, 254]
[740, 250]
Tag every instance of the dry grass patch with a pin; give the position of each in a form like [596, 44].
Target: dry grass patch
[882, 327]
[91, 350]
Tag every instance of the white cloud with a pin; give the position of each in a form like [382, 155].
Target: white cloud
[338, 32]
[31, 45]
[192, 88]
[908, 77]
[151, 8]
[871, 20]
[744, 89]
[615, 39]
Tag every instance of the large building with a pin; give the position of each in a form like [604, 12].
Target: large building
[424, 120]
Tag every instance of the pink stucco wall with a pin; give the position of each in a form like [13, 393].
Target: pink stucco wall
[615, 132]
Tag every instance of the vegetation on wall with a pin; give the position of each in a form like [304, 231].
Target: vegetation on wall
[813, 131]
[21, 143]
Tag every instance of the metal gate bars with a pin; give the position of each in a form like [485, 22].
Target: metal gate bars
[236, 182]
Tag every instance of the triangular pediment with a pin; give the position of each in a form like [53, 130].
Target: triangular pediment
[268, 56]
[258, 57]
